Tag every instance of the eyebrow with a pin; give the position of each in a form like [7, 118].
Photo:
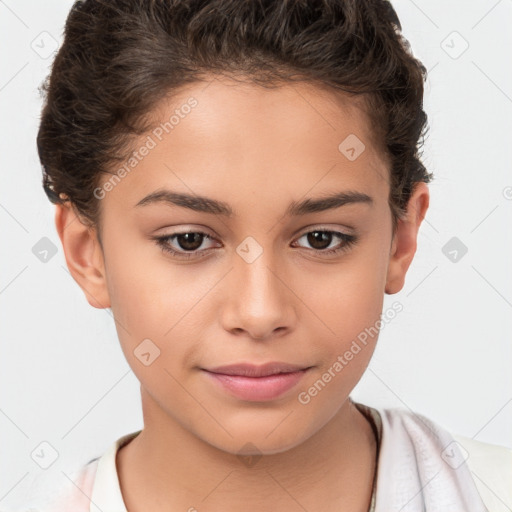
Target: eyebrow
[213, 206]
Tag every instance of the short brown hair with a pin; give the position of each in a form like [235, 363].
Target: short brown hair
[119, 58]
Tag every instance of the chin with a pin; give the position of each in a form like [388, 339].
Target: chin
[256, 439]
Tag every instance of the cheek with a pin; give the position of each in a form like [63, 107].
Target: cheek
[349, 297]
[350, 309]
[154, 299]
[148, 291]
[348, 300]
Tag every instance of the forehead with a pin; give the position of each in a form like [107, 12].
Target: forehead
[241, 109]
[225, 137]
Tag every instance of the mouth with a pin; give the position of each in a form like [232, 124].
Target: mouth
[257, 383]
[251, 370]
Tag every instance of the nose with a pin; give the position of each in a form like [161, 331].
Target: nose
[258, 299]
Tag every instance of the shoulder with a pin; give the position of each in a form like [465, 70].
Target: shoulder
[489, 465]
[94, 485]
[72, 493]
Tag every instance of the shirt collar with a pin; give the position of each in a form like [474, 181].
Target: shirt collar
[106, 492]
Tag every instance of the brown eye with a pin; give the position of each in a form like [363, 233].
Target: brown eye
[320, 240]
[186, 244]
[189, 241]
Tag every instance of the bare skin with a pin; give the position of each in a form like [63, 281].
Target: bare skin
[256, 150]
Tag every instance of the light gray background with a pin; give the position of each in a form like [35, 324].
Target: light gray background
[64, 379]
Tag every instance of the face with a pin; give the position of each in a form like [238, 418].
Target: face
[255, 273]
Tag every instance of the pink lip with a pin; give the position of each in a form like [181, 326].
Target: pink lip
[257, 383]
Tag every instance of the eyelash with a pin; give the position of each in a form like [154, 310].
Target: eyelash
[162, 242]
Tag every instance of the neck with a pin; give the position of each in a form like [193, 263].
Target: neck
[167, 468]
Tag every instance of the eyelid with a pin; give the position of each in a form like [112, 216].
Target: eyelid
[185, 228]
[346, 230]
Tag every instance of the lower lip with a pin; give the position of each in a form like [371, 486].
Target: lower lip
[257, 388]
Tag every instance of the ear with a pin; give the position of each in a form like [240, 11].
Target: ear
[404, 242]
[84, 255]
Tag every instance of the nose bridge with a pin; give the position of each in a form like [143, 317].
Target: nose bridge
[258, 300]
[253, 266]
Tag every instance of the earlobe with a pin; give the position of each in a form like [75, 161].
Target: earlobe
[84, 255]
[404, 242]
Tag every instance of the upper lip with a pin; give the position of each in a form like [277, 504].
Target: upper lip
[251, 370]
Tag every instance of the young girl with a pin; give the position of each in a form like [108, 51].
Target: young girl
[240, 182]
